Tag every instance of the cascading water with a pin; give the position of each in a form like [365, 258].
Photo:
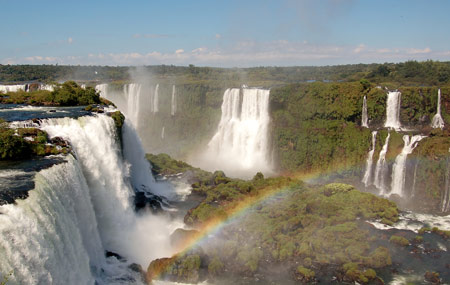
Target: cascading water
[81, 208]
[240, 145]
[103, 90]
[173, 106]
[381, 168]
[41, 249]
[445, 205]
[155, 108]
[162, 133]
[133, 94]
[364, 117]
[393, 110]
[437, 121]
[369, 163]
[399, 168]
[12, 88]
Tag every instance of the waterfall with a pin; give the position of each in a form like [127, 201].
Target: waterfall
[12, 88]
[445, 206]
[103, 90]
[133, 94]
[173, 108]
[393, 110]
[155, 108]
[437, 121]
[162, 133]
[369, 163]
[47, 87]
[41, 249]
[240, 145]
[381, 168]
[399, 168]
[364, 118]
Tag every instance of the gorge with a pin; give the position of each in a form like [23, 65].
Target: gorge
[314, 131]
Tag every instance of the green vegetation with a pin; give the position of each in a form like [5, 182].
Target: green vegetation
[399, 240]
[66, 94]
[23, 143]
[406, 73]
[298, 226]
[165, 165]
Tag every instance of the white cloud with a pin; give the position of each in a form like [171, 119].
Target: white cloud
[150, 36]
[359, 48]
[250, 53]
[419, 51]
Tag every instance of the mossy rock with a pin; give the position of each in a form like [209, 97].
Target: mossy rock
[399, 240]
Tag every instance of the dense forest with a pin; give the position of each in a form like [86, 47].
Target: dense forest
[407, 73]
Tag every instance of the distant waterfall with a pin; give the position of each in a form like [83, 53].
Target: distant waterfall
[133, 94]
[364, 118]
[162, 133]
[369, 163]
[445, 205]
[438, 122]
[399, 168]
[155, 108]
[240, 145]
[173, 108]
[381, 168]
[12, 88]
[393, 110]
[103, 90]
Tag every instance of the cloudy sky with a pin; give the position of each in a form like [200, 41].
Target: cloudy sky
[224, 33]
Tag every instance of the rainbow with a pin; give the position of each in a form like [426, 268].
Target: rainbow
[214, 225]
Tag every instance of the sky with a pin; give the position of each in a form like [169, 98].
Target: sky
[223, 33]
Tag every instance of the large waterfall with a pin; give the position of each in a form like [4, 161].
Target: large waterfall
[399, 168]
[369, 163]
[393, 110]
[437, 121]
[381, 168]
[364, 117]
[240, 145]
[81, 208]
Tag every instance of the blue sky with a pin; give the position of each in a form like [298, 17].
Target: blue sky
[224, 33]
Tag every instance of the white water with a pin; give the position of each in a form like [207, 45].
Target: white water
[52, 237]
[437, 121]
[173, 106]
[133, 95]
[103, 89]
[393, 110]
[47, 87]
[364, 117]
[162, 133]
[11, 88]
[415, 221]
[381, 168]
[81, 208]
[240, 145]
[369, 163]
[155, 108]
[445, 205]
[399, 168]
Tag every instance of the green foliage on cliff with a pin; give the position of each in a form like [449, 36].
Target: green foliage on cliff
[315, 126]
[14, 146]
[66, 94]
